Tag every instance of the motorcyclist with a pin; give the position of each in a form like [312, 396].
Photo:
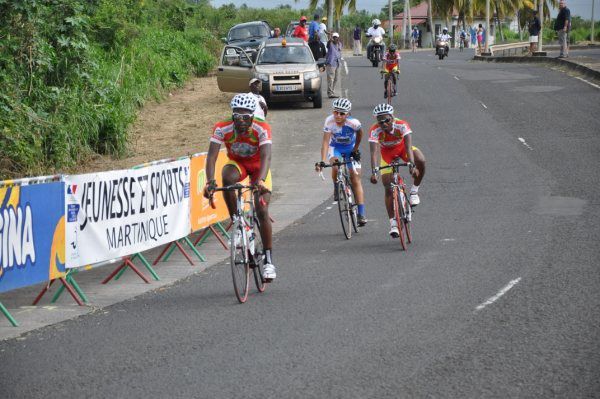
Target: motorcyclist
[375, 31]
[445, 37]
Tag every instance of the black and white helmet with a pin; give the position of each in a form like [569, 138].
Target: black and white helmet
[342, 105]
[244, 101]
[376, 22]
[383, 109]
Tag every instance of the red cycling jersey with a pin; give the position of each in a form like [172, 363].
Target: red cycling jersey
[391, 61]
[245, 147]
[392, 143]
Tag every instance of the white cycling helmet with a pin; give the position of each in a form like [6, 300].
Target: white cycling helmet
[376, 22]
[244, 101]
[342, 104]
[383, 109]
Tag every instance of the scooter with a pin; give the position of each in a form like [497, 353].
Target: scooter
[376, 50]
[441, 48]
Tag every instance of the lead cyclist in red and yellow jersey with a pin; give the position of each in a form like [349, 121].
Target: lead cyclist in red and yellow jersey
[248, 143]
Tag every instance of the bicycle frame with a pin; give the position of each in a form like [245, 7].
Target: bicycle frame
[344, 186]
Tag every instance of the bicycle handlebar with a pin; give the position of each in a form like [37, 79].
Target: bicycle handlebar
[392, 165]
[336, 163]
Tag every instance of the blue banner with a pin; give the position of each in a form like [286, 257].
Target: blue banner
[32, 234]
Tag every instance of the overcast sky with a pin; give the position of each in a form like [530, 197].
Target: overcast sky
[577, 7]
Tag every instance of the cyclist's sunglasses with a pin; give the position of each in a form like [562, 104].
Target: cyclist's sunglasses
[244, 117]
[385, 121]
[340, 113]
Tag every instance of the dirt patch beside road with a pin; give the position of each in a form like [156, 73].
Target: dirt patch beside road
[179, 125]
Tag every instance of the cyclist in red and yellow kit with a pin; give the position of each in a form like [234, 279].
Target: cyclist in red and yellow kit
[392, 137]
[391, 65]
[248, 143]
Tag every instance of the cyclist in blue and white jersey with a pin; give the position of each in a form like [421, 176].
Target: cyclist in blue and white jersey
[342, 134]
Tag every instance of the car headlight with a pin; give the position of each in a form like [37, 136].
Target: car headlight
[311, 75]
[263, 76]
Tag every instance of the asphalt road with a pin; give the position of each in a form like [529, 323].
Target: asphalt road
[496, 297]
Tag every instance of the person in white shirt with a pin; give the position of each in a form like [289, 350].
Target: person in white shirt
[375, 31]
[323, 31]
[445, 37]
[261, 106]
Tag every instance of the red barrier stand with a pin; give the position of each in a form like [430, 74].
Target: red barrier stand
[126, 263]
[65, 284]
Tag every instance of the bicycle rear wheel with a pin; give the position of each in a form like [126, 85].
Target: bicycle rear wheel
[258, 259]
[353, 207]
[407, 217]
[397, 215]
[344, 208]
[240, 269]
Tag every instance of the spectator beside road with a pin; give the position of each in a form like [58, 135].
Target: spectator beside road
[534, 31]
[301, 30]
[480, 39]
[313, 27]
[414, 38]
[276, 32]
[317, 47]
[261, 106]
[323, 32]
[357, 43]
[332, 63]
[562, 24]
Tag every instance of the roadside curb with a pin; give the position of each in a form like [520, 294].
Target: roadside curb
[573, 66]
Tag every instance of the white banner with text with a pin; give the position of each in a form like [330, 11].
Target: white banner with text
[122, 212]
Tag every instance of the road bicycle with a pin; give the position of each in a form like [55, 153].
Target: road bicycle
[245, 243]
[346, 204]
[402, 208]
[389, 83]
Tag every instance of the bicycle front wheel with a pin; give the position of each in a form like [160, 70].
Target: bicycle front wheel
[240, 269]
[344, 208]
[353, 207]
[397, 215]
[258, 259]
[407, 217]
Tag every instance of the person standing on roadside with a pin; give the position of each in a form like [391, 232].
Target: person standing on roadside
[323, 32]
[261, 107]
[357, 42]
[313, 27]
[534, 31]
[317, 47]
[332, 63]
[301, 30]
[480, 39]
[562, 24]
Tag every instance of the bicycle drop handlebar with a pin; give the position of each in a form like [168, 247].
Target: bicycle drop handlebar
[233, 187]
[392, 165]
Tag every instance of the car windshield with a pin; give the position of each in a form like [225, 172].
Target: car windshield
[248, 32]
[285, 55]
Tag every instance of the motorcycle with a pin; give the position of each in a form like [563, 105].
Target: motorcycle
[376, 50]
[441, 48]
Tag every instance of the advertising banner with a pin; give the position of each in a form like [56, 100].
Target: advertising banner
[119, 213]
[32, 234]
[202, 215]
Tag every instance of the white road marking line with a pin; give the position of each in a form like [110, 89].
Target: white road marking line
[448, 239]
[499, 294]
[522, 140]
[483, 105]
[456, 77]
[588, 82]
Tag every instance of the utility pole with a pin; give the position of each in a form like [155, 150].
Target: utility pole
[330, 16]
[541, 16]
[593, 1]
[404, 25]
[487, 27]
[391, 19]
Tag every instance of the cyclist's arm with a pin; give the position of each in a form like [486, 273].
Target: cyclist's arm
[325, 146]
[408, 146]
[374, 147]
[265, 160]
[359, 134]
[211, 159]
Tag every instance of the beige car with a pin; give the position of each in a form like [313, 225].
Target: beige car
[286, 68]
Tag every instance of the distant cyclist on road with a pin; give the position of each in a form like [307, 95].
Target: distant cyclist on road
[391, 139]
[248, 143]
[342, 134]
[391, 65]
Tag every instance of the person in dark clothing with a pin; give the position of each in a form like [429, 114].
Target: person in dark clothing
[562, 26]
[317, 47]
[534, 31]
[357, 40]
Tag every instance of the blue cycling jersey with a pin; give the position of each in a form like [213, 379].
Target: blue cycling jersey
[342, 137]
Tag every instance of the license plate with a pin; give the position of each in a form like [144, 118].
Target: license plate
[287, 87]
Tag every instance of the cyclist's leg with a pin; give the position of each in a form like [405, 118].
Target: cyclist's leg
[357, 187]
[386, 180]
[232, 173]
[333, 155]
[261, 205]
[420, 163]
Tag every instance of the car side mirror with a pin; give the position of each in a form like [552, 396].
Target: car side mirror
[224, 40]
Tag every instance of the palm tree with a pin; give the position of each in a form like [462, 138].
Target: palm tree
[338, 8]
